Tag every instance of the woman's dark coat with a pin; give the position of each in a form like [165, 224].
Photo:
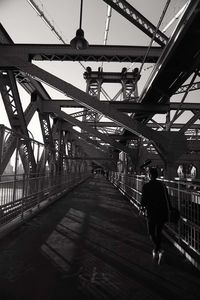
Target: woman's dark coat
[154, 199]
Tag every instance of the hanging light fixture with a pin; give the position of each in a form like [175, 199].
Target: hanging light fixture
[79, 42]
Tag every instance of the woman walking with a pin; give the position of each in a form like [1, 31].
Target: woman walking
[155, 200]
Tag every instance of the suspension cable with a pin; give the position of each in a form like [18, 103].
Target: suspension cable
[176, 17]
[109, 14]
[154, 34]
[107, 28]
[43, 16]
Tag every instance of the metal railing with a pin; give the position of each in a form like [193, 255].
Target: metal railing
[24, 195]
[26, 188]
[185, 196]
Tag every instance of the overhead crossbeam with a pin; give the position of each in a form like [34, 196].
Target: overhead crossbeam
[189, 123]
[111, 77]
[151, 125]
[84, 126]
[85, 137]
[162, 141]
[127, 106]
[52, 52]
[93, 132]
[92, 153]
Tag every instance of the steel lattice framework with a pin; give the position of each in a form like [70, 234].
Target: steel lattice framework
[98, 141]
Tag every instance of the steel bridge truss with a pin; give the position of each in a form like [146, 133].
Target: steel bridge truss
[134, 114]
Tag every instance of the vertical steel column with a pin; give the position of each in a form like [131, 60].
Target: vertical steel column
[59, 142]
[12, 103]
[48, 139]
[93, 88]
[129, 84]
[2, 131]
[130, 93]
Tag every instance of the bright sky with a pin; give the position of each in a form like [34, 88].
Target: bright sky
[25, 26]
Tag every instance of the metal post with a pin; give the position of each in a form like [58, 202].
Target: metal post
[2, 132]
[179, 208]
[38, 182]
[16, 166]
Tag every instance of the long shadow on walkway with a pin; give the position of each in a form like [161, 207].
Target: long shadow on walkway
[91, 244]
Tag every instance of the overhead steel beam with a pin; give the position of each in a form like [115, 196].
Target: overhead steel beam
[125, 106]
[189, 123]
[21, 78]
[92, 153]
[151, 125]
[29, 112]
[30, 85]
[195, 86]
[102, 124]
[4, 36]
[104, 162]
[84, 127]
[163, 142]
[52, 52]
[87, 157]
[84, 136]
[111, 77]
[93, 132]
[136, 18]
[128, 106]
[178, 61]
[184, 106]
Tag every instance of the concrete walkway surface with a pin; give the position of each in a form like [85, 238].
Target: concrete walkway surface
[91, 244]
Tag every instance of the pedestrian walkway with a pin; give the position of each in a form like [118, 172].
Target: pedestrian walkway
[91, 244]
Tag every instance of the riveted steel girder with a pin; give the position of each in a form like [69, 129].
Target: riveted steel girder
[16, 117]
[136, 18]
[4, 36]
[127, 106]
[151, 125]
[10, 144]
[92, 153]
[15, 109]
[189, 123]
[84, 126]
[178, 61]
[93, 131]
[85, 136]
[195, 86]
[124, 106]
[163, 141]
[56, 52]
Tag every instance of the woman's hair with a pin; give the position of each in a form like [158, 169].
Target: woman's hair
[153, 172]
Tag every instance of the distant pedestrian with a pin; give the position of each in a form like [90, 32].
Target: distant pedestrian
[180, 172]
[155, 202]
[193, 171]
